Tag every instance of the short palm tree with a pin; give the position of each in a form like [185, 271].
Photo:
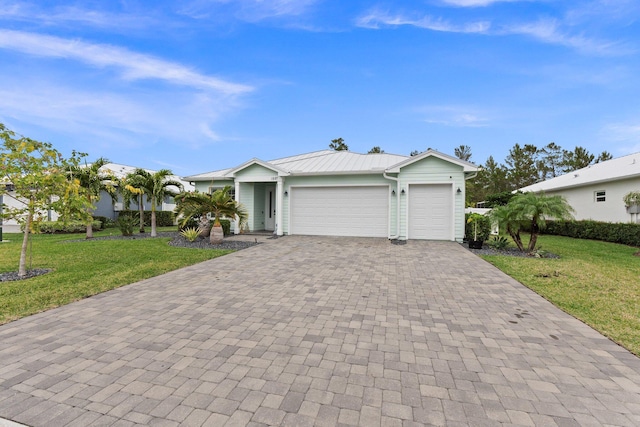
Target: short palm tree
[92, 182]
[219, 204]
[155, 186]
[532, 210]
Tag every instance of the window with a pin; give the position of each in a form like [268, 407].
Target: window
[232, 191]
[601, 196]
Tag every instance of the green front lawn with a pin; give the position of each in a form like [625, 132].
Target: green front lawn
[84, 268]
[596, 282]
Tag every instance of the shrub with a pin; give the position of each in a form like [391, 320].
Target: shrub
[618, 232]
[191, 233]
[127, 224]
[51, 227]
[499, 243]
[477, 225]
[226, 226]
[163, 218]
[106, 222]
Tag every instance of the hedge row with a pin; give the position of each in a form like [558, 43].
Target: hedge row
[163, 218]
[620, 232]
[51, 227]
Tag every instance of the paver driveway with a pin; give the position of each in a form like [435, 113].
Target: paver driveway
[317, 331]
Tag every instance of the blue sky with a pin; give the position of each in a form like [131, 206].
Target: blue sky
[200, 85]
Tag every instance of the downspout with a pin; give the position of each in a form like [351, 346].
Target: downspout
[397, 180]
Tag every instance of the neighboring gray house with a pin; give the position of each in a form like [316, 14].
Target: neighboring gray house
[105, 206]
[341, 193]
[596, 192]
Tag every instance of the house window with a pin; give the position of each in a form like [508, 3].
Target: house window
[601, 196]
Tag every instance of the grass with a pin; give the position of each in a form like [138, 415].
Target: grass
[596, 282]
[85, 268]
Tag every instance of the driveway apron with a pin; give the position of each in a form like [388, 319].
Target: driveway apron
[306, 331]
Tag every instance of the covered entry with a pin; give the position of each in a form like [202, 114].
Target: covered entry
[360, 211]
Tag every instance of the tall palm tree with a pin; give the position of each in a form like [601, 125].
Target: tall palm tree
[132, 187]
[156, 186]
[92, 182]
[219, 204]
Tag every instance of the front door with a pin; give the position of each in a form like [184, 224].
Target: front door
[270, 208]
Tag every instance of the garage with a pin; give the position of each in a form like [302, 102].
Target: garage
[431, 211]
[359, 211]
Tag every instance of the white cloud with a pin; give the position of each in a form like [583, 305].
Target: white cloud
[132, 65]
[376, 19]
[454, 116]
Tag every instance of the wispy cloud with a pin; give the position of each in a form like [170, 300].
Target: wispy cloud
[476, 3]
[454, 116]
[376, 19]
[549, 31]
[132, 65]
[247, 10]
[110, 119]
[68, 16]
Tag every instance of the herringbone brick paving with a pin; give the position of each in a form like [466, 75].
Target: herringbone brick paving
[315, 331]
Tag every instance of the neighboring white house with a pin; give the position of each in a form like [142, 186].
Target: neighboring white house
[105, 206]
[10, 200]
[341, 193]
[596, 192]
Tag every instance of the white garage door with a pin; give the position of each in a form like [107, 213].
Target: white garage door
[340, 211]
[431, 212]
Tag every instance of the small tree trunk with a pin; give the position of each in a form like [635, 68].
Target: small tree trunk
[22, 268]
[533, 237]
[141, 209]
[154, 233]
[90, 230]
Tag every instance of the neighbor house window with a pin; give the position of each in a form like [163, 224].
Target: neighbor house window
[601, 196]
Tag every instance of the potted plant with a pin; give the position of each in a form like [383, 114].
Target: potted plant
[632, 202]
[477, 230]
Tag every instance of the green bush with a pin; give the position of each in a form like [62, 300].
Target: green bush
[619, 232]
[51, 227]
[483, 226]
[499, 243]
[163, 218]
[127, 223]
[191, 233]
[226, 226]
[106, 222]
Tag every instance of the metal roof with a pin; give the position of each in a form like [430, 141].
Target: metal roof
[320, 163]
[610, 170]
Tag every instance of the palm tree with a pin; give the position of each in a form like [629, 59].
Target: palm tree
[533, 210]
[156, 186]
[92, 182]
[132, 187]
[219, 204]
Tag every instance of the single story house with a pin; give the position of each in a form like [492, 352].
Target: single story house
[341, 193]
[596, 192]
[105, 206]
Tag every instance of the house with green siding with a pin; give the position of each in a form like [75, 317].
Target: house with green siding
[341, 193]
